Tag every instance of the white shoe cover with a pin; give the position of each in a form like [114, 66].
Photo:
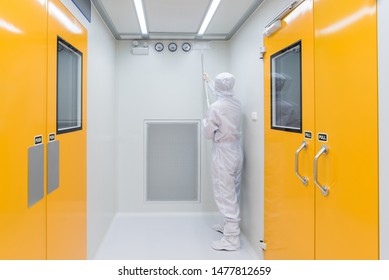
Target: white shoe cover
[227, 243]
[218, 227]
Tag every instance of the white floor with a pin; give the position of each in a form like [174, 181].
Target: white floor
[167, 237]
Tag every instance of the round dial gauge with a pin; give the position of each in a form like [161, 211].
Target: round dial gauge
[159, 47]
[186, 47]
[172, 47]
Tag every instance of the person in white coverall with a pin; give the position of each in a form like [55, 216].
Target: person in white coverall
[222, 124]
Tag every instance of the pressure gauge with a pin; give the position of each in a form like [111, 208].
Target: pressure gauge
[172, 47]
[186, 47]
[159, 47]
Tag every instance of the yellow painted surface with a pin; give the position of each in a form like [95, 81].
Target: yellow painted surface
[66, 206]
[289, 205]
[342, 103]
[22, 116]
[346, 109]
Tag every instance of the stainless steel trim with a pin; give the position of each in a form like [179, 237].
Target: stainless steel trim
[285, 11]
[324, 189]
[303, 179]
[52, 166]
[35, 174]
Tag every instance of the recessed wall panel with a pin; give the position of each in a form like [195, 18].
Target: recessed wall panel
[172, 161]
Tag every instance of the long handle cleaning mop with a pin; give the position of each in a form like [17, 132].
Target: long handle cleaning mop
[203, 46]
[205, 82]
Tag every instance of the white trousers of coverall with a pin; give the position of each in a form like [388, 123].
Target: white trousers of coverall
[227, 161]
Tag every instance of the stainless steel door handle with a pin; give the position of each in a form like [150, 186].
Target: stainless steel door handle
[303, 179]
[324, 190]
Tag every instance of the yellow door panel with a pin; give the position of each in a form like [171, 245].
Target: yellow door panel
[346, 109]
[66, 205]
[22, 117]
[289, 205]
[343, 108]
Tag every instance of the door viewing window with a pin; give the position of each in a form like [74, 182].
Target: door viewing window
[286, 89]
[69, 88]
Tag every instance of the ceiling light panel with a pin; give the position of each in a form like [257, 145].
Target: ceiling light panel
[141, 16]
[123, 15]
[208, 17]
[229, 14]
[175, 16]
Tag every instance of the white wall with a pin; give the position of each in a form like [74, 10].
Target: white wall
[101, 132]
[159, 86]
[101, 116]
[383, 69]
[248, 69]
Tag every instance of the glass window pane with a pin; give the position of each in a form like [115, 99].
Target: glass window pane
[69, 88]
[286, 89]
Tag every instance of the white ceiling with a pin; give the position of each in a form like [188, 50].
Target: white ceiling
[175, 19]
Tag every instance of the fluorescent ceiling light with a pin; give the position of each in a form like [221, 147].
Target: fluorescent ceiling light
[209, 16]
[141, 16]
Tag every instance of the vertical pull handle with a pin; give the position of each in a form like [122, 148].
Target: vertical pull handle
[324, 190]
[303, 179]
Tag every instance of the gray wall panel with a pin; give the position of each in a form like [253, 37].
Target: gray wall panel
[172, 161]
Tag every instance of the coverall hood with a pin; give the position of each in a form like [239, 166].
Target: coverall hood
[224, 84]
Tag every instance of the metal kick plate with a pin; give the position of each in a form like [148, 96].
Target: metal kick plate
[53, 166]
[35, 174]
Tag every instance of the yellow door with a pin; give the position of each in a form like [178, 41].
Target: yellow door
[346, 110]
[289, 121]
[338, 216]
[66, 123]
[22, 129]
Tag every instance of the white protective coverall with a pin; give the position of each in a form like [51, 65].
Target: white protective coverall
[223, 125]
